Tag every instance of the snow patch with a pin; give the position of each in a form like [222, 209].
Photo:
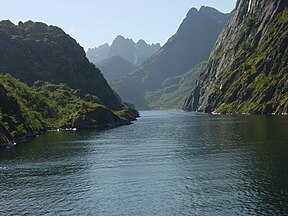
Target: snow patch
[135, 59]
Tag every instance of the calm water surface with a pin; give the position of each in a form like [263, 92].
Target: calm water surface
[167, 163]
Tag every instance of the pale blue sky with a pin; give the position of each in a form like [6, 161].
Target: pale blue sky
[94, 22]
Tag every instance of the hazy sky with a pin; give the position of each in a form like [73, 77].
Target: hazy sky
[94, 22]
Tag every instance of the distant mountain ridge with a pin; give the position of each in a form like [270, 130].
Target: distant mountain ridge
[190, 46]
[126, 48]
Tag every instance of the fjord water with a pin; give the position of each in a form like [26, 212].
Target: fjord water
[166, 163]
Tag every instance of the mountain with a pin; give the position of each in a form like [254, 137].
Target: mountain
[247, 71]
[51, 83]
[34, 51]
[126, 48]
[115, 67]
[190, 46]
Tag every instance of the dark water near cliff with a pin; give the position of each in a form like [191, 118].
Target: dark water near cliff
[167, 163]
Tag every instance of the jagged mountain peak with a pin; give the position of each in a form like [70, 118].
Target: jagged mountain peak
[192, 12]
[208, 10]
[126, 48]
[120, 40]
[120, 37]
[6, 23]
[206, 15]
[104, 45]
[203, 10]
[141, 42]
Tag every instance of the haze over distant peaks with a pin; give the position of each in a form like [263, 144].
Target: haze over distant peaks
[191, 45]
[126, 48]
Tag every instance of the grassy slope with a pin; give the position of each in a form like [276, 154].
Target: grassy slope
[259, 85]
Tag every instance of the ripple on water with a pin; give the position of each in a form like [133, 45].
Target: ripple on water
[166, 163]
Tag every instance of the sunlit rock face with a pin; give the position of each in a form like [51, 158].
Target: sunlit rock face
[247, 71]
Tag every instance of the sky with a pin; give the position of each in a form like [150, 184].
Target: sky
[95, 22]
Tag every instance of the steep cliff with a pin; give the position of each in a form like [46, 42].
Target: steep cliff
[191, 45]
[247, 71]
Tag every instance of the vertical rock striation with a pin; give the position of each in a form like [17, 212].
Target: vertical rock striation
[247, 71]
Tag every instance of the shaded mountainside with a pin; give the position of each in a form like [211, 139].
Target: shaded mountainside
[26, 111]
[115, 68]
[191, 45]
[46, 82]
[247, 71]
[174, 90]
[34, 51]
[126, 48]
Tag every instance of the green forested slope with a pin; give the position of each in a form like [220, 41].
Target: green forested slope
[31, 110]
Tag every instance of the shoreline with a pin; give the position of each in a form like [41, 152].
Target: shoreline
[26, 138]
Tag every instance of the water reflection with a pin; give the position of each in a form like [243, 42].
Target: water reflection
[266, 142]
[167, 163]
[242, 167]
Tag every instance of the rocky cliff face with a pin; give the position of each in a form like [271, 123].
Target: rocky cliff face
[126, 48]
[191, 45]
[247, 71]
[33, 51]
